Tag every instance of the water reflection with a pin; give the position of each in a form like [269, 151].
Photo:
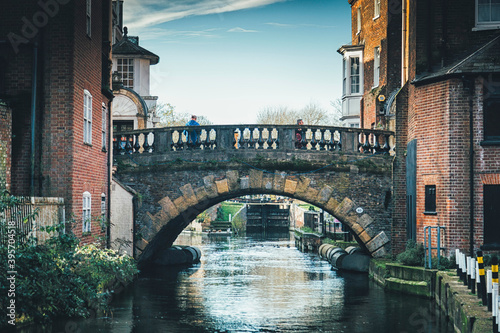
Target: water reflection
[259, 284]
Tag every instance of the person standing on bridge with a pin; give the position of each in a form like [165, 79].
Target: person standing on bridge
[193, 136]
[299, 134]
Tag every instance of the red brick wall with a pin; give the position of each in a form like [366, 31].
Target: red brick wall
[384, 32]
[69, 62]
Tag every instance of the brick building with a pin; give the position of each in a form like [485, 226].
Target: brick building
[55, 80]
[447, 169]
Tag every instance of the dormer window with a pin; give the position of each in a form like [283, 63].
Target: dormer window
[125, 67]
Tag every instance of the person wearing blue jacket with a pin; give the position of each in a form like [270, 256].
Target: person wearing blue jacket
[193, 136]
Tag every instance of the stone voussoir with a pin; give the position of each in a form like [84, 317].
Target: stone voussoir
[169, 207]
[222, 186]
[256, 178]
[279, 181]
[377, 242]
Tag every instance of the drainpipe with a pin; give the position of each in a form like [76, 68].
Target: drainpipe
[110, 160]
[33, 117]
[470, 86]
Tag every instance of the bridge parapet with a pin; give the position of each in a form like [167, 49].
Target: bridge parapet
[253, 137]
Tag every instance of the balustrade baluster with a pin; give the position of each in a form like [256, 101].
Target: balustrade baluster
[313, 141]
[376, 147]
[137, 146]
[270, 138]
[260, 142]
[303, 141]
[322, 142]
[152, 147]
[145, 146]
[277, 140]
[339, 143]
[366, 145]
[331, 143]
[386, 147]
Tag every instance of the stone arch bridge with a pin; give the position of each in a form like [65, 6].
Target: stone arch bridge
[177, 174]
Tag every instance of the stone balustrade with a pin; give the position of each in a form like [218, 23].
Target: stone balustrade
[253, 137]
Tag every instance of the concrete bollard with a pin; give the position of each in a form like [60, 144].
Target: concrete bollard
[469, 279]
[489, 289]
[464, 268]
[473, 275]
[495, 306]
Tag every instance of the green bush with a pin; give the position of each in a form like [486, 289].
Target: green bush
[413, 255]
[60, 278]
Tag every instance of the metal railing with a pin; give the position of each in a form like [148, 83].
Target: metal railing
[428, 244]
[29, 217]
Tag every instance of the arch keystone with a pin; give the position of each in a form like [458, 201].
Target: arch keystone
[267, 182]
[256, 178]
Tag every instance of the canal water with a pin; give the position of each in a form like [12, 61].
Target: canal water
[259, 284]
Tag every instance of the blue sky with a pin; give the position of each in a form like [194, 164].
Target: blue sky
[229, 59]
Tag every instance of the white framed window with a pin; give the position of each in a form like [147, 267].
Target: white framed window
[358, 18]
[376, 66]
[352, 72]
[104, 125]
[87, 117]
[125, 67]
[376, 9]
[88, 17]
[354, 75]
[86, 212]
[487, 14]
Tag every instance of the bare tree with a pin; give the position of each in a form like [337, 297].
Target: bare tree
[311, 114]
[337, 112]
[280, 115]
[169, 117]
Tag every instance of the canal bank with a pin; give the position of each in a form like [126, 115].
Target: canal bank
[464, 309]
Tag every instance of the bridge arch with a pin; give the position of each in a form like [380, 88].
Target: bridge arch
[160, 223]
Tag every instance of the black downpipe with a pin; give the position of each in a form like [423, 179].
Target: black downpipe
[33, 117]
[110, 157]
[469, 85]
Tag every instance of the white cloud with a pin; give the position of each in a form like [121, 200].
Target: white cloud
[238, 29]
[144, 13]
